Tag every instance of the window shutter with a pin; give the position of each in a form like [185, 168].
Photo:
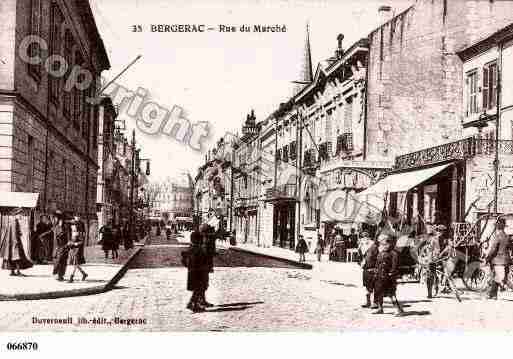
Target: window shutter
[485, 87]
[478, 85]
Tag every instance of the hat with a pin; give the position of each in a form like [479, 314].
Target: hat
[365, 234]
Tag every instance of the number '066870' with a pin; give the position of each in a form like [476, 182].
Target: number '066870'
[25, 346]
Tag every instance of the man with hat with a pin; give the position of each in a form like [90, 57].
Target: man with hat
[368, 252]
[62, 234]
[499, 258]
[209, 243]
[433, 248]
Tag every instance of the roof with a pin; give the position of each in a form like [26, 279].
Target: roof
[487, 43]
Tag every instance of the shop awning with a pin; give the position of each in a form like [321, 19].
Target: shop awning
[402, 182]
[18, 199]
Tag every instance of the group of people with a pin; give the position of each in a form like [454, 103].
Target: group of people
[336, 244]
[59, 240]
[199, 260]
[380, 265]
[111, 237]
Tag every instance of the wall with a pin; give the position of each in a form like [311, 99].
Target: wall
[415, 79]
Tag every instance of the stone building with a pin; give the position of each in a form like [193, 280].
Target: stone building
[48, 130]
[175, 199]
[416, 104]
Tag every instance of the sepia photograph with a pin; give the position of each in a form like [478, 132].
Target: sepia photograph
[256, 166]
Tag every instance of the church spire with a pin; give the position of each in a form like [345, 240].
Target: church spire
[306, 72]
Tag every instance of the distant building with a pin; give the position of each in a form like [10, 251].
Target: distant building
[174, 200]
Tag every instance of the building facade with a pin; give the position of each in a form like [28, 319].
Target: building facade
[48, 129]
[174, 200]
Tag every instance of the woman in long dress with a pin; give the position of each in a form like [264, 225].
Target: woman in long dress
[11, 247]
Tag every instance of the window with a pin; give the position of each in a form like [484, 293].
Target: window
[64, 180]
[78, 97]
[30, 163]
[68, 49]
[329, 116]
[472, 92]
[35, 29]
[490, 85]
[348, 115]
[56, 20]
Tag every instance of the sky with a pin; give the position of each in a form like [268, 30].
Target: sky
[219, 77]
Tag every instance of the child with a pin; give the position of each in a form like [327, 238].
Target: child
[196, 260]
[75, 244]
[386, 274]
[302, 247]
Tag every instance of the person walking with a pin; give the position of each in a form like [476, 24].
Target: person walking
[499, 259]
[76, 242]
[301, 248]
[62, 236]
[45, 232]
[11, 247]
[319, 248]
[107, 238]
[368, 251]
[386, 274]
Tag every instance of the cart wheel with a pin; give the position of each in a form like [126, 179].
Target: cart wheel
[476, 277]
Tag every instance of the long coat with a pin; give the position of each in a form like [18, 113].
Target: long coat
[63, 235]
[197, 269]
[369, 267]
[387, 272]
[11, 247]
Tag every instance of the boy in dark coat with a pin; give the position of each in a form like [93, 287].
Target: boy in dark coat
[369, 252]
[197, 270]
[387, 271]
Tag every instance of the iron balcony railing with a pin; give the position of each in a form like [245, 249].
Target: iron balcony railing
[457, 150]
[287, 191]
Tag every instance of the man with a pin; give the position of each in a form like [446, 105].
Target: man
[499, 258]
[319, 249]
[368, 250]
[353, 239]
[209, 244]
[62, 236]
[387, 271]
[433, 247]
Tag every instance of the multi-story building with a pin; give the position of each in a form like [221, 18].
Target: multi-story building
[417, 110]
[48, 129]
[175, 199]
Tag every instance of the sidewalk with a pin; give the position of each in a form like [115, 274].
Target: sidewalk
[324, 270]
[38, 282]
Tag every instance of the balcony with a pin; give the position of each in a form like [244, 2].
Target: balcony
[285, 192]
[458, 150]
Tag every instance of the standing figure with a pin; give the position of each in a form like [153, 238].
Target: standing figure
[127, 237]
[196, 261]
[107, 239]
[209, 243]
[433, 244]
[116, 240]
[499, 259]
[62, 237]
[11, 247]
[45, 230]
[76, 242]
[301, 248]
[386, 274]
[319, 248]
[368, 251]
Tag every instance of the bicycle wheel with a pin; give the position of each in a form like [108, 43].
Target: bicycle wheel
[476, 277]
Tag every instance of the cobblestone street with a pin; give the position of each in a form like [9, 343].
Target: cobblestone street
[268, 297]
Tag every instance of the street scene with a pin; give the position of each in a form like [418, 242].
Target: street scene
[347, 168]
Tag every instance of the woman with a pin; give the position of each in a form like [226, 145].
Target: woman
[75, 244]
[11, 247]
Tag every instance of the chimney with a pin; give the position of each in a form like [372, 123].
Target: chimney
[385, 14]
[340, 50]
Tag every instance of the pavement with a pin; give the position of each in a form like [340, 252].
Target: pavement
[38, 282]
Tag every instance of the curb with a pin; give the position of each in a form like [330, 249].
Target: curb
[301, 265]
[79, 291]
